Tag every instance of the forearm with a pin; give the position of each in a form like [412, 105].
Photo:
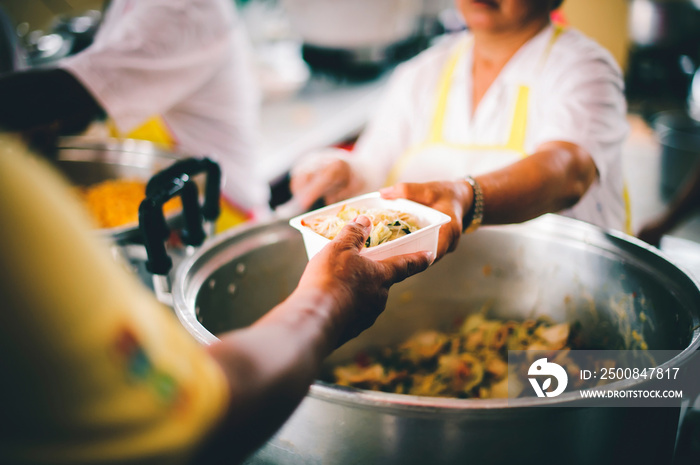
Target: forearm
[550, 180]
[270, 365]
[39, 98]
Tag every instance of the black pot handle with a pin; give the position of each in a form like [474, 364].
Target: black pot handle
[185, 169]
[173, 181]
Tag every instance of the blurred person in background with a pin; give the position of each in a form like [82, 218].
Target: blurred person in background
[533, 113]
[175, 72]
[95, 370]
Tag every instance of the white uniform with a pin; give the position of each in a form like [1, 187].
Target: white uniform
[560, 86]
[186, 61]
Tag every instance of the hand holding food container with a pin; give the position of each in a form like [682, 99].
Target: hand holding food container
[453, 198]
[366, 283]
[399, 226]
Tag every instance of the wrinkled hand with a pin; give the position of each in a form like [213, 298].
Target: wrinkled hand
[330, 178]
[451, 198]
[358, 285]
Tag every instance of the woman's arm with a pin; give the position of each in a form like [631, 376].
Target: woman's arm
[553, 178]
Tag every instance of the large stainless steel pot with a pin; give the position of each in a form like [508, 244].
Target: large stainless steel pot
[551, 266]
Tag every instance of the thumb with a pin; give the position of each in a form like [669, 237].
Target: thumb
[391, 192]
[401, 267]
[405, 190]
[354, 234]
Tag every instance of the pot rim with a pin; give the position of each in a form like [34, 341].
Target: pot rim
[385, 401]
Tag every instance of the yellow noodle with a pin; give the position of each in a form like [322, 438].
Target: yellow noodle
[115, 202]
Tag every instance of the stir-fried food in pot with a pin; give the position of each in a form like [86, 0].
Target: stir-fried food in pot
[114, 203]
[470, 363]
[387, 224]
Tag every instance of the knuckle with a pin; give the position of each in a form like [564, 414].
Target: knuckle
[403, 269]
[413, 267]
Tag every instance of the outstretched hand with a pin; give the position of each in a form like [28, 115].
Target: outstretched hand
[358, 285]
[451, 198]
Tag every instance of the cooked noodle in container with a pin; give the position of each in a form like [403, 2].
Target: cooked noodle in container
[398, 226]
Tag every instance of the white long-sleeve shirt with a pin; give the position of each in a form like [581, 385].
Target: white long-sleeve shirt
[187, 61]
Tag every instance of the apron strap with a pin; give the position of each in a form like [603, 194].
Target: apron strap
[443, 92]
[518, 126]
[558, 30]
[628, 209]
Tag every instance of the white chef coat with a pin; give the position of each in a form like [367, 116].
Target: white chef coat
[575, 94]
[188, 62]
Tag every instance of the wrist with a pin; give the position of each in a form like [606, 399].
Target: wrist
[323, 308]
[474, 215]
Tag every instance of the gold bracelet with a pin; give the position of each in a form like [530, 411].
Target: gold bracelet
[477, 208]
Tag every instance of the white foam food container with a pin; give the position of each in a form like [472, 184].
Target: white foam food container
[424, 239]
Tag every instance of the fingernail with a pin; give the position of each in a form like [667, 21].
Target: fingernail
[364, 221]
[431, 257]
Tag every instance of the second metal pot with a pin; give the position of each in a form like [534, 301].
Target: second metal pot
[85, 162]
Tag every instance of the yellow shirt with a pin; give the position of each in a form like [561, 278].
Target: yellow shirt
[93, 369]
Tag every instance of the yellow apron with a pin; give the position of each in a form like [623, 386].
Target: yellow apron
[438, 159]
[156, 130]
